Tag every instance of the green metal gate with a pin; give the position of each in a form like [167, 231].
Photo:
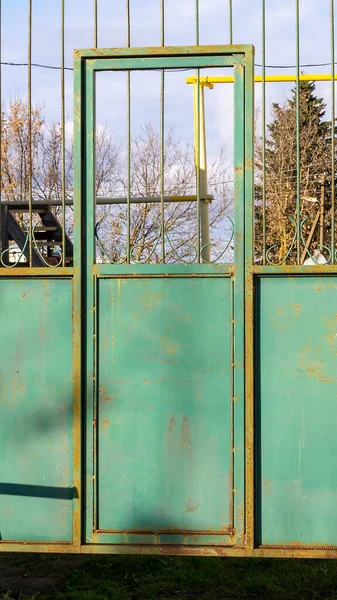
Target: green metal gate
[164, 352]
[180, 407]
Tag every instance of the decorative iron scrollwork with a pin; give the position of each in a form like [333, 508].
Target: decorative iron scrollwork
[190, 248]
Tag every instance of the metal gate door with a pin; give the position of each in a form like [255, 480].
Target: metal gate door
[164, 349]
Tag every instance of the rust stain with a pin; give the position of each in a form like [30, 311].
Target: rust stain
[313, 366]
[105, 423]
[172, 423]
[331, 339]
[331, 323]
[160, 51]
[190, 508]
[103, 392]
[63, 513]
[224, 529]
[241, 512]
[151, 299]
[19, 388]
[186, 434]
[158, 380]
[170, 346]
[190, 536]
[24, 295]
[297, 309]
[321, 287]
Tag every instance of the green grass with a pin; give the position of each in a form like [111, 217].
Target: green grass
[168, 578]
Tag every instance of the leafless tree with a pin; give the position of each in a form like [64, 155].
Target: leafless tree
[180, 217]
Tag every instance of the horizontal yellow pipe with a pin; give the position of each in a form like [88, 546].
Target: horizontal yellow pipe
[268, 78]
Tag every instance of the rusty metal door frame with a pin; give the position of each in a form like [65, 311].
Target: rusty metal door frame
[87, 62]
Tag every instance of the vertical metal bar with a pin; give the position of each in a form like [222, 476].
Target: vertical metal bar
[204, 203]
[86, 181]
[128, 135]
[197, 158]
[230, 12]
[298, 136]
[249, 309]
[162, 22]
[162, 134]
[310, 237]
[197, 161]
[29, 131]
[238, 366]
[63, 152]
[232, 403]
[0, 130]
[200, 159]
[95, 408]
[95, 23]
[332, 23]
[78, 281]
[322, 210]
[4, 234]
[264, 248]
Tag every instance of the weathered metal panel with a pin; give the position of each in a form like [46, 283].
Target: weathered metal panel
[297, 411]
[36, 400]
[164, 404]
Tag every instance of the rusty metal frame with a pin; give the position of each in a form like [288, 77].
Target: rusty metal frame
[87, 62]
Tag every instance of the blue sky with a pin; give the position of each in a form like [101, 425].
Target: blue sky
[145, 30]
